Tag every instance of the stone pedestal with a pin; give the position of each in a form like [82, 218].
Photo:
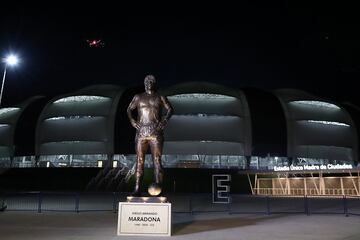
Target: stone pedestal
[144, 216]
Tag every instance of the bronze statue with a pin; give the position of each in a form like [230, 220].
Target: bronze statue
[149, 129]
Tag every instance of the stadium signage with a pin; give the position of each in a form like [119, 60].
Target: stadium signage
[313, 167]
[221, 188]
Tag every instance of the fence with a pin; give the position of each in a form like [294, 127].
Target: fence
[183, 203]
[309, 191]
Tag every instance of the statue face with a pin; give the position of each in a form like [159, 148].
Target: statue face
[150, 83]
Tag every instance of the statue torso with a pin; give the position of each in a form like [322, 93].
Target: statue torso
[149, 109]
[149, 114]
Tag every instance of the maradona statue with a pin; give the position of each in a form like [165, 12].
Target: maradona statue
[149, 129]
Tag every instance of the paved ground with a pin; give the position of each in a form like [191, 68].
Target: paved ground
[102, 225]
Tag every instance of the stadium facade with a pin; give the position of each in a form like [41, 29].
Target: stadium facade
[213, 127]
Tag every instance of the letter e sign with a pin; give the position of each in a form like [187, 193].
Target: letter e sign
[221, 188]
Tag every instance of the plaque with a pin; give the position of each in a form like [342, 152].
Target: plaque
[144, 219]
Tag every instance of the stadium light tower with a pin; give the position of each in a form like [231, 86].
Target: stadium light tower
[10, 60]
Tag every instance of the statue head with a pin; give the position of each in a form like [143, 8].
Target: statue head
[150, 83]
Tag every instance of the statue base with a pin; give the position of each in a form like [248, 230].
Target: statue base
[144, 216]
[147, 199]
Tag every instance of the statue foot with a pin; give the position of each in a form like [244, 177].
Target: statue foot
[135, 194]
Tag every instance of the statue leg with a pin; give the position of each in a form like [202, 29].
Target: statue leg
[156, 146]
[141, 148]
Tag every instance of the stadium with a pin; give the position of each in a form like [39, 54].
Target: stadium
[281, 142]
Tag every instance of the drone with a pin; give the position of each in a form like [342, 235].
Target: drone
[95, 43]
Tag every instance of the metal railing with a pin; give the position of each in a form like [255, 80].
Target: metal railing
[183, 203]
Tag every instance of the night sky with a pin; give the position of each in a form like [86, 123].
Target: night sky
[314, 47]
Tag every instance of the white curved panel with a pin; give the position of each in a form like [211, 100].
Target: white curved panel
[217, 106]
[68, 118]
[319, 104]
[81, 98]
[316, 128]
[205, 96]
[329, 123]
[205, 128]
[5, 111]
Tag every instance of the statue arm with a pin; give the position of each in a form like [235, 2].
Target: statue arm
[169, 111]
[130, 108]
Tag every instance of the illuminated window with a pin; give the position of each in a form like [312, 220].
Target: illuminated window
[100, 163]
[8, 110]
[115, 164]
[329, 123]
[316, 104]
[55, 118]
[201, 96]
[205, 115]
[83, 98]
[68, 117]
[70, 142]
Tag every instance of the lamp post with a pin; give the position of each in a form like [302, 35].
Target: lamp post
[10, 60]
